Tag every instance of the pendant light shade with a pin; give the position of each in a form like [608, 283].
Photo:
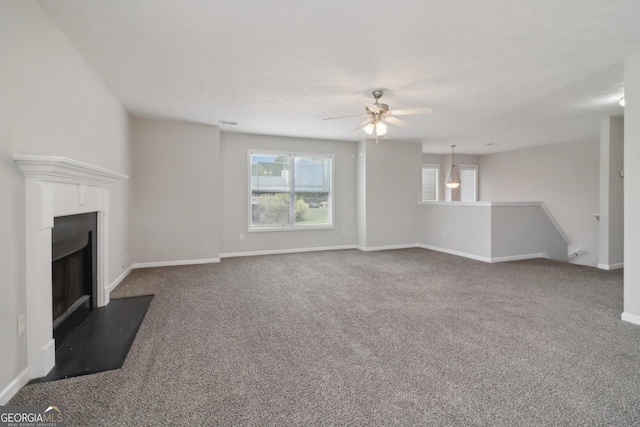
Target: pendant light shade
[454, 178]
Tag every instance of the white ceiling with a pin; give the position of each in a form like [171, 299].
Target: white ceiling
[512, 73]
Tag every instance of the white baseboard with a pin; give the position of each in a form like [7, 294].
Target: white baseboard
[175, 263]
[485, 259]
[285, 251]
[14, 386]
[611, 266]
[386, 248]
[457, 253]
[118, 280]
[631, 318]
[519, 257]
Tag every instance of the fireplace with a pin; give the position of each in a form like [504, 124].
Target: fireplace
[73, 263]
[61, 187]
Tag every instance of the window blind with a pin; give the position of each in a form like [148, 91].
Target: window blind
[429, 183]
[468, 184]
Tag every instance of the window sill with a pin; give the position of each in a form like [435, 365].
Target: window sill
[297, 228]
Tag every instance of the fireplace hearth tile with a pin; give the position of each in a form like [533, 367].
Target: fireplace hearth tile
[102, 342]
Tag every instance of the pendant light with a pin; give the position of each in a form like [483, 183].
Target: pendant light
[454, 178]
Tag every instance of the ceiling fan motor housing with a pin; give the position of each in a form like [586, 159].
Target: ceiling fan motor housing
[382, 107]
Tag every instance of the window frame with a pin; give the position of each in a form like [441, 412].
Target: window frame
[437, 168]
[475, 183]
[249, 197]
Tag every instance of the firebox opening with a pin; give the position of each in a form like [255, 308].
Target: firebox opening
[73, 272]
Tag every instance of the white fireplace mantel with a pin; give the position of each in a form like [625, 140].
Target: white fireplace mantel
[62, 169]
[58, 186]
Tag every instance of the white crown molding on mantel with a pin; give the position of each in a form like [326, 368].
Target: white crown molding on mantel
[62, 169]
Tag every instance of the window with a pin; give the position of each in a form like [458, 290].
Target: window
[290, 191]
[430, 174]
[468, 183]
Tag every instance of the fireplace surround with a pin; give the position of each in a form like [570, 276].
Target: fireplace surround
[56, 187]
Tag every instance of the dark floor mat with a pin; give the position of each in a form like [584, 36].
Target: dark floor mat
[102, 341]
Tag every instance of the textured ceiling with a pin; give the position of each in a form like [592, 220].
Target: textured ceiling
[509, 73]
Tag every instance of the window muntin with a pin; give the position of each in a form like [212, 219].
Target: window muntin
[468, 183]
[290, 191]
[430, 182]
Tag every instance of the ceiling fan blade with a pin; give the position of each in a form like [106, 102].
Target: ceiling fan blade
[396, 121]
[373, 108]
[411, 111]
[345, 117]
[362, 125]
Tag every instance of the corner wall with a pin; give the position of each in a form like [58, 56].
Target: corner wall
[631, 193]
[52, 104]
[611, 224]
[563, 176]
[176, 209]
[393, 188]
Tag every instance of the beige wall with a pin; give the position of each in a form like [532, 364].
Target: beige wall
[611, 225]
[176, 204]
[52, 103]
[563, 176]
[235, 200]
[393, 188]
[631, 193]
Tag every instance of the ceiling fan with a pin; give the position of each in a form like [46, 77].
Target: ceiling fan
[378, 116]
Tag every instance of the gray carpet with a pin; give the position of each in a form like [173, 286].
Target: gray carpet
[404, 337]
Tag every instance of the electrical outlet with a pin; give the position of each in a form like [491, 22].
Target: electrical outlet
[242, 237]
[442, 233]
[344, 231]
[22, 324]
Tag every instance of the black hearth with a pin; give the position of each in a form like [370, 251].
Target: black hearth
[73, 272]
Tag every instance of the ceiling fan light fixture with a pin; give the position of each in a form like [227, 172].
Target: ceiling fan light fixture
[369, 128]
[376, 128]
[378, 116]
[381, 128]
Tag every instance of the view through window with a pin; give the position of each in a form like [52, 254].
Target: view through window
[290, 191]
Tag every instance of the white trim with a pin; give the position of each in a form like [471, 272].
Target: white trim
[286, 251]
[457, 253]
[267, 229]
[611, 266]
[58, 186]
[14, 386]
[631, 318]
[483, 203]
[443, 203]
[555, 223]
[175, 263]
[507, 204]
[386, 248]
[293, 227]
[519, 257]
[118, 280]
[62, 169]
[485, 259]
